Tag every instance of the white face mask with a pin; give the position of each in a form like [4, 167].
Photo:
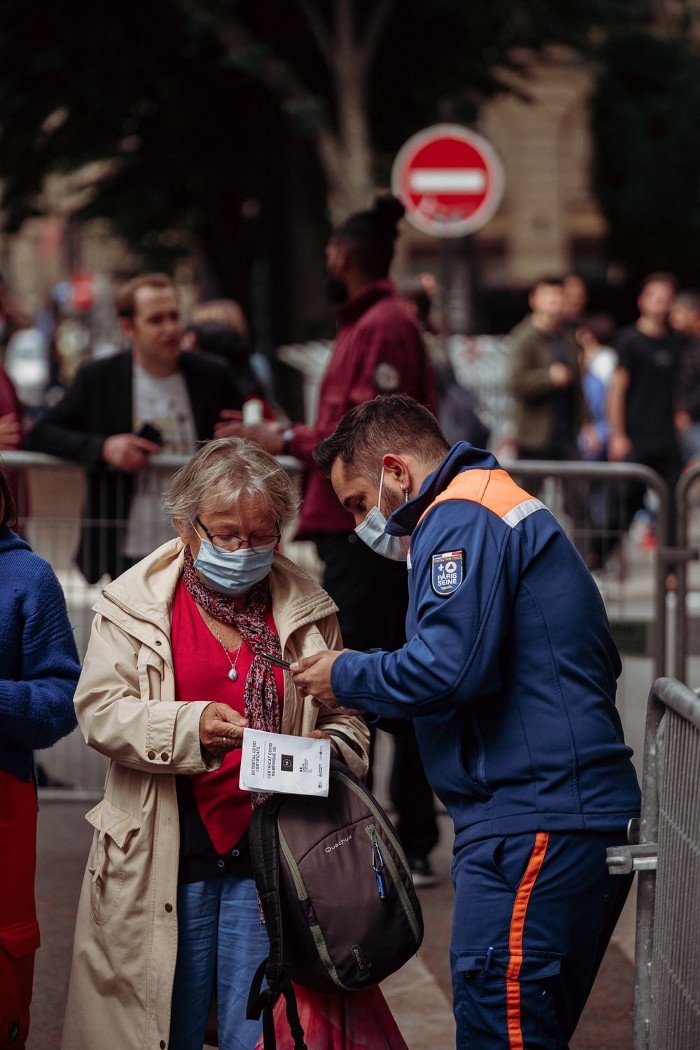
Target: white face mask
[232, 572]
[371, 532]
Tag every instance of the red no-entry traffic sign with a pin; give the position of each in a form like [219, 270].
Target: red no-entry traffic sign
[449, 179]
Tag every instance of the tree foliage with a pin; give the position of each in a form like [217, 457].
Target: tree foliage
[199, 107]
[645, 116]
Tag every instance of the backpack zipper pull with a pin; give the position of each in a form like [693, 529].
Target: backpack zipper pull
[378, 867]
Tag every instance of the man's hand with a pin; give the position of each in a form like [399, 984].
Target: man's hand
[128, 452]
[312, 677]
[10, 431]
[560, 374]
[619, 448]
[221, 728]
[682, 419]
[591, 440]
[267, 434]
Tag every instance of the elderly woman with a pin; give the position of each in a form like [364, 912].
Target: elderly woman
[175, 669]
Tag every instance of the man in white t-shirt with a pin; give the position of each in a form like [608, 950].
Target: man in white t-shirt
[179, 397]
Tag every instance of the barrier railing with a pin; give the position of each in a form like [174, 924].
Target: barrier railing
[593, 502]
[665, 852]
[53, 499]
[687, 635]
[588, 498]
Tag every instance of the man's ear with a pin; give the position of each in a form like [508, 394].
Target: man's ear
[397, 468]
[341, 254]
[127, 327]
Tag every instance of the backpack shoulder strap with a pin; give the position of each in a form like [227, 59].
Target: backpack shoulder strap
[263, 838]
[264, 853]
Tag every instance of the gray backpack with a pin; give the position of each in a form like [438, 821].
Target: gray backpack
[337, 896]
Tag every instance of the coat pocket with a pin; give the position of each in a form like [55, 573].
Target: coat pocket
[113, 832]
[21, 939]
[18, 944]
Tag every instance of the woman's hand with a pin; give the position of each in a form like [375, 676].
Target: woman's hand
[221, 728]
[318, 734]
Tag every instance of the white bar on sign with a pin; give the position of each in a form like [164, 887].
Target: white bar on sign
[447, 180]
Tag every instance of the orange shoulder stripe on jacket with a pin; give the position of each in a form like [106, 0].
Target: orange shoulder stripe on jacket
[493, 489]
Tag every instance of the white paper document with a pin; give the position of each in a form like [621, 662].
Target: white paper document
[294, 765]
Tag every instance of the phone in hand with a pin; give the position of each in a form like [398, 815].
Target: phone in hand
[150, 433]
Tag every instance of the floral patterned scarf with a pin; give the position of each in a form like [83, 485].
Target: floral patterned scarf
[260, 699]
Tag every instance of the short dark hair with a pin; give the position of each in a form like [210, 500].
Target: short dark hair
[371, 234]
[388, 423]
[555, 280]
[125, 299]
[8, 511]
[659, 277]
[688, 299]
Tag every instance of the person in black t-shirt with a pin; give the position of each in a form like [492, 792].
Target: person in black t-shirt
[642, 394]
[685, 319]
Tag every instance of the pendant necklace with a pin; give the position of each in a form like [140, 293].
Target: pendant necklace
[233, 673]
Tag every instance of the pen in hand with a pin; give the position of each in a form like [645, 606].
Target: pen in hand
[276, 660]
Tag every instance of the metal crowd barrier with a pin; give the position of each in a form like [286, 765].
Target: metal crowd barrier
[665, 852]
[52, 493]
[687, 636]
[588, 498]
[592, 501]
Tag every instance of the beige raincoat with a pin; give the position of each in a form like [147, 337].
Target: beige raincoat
[126, 930]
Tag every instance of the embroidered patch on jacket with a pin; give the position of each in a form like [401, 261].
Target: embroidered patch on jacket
[447, 572]
[387, 378]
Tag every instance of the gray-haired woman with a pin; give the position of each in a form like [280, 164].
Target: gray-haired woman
[173, 673]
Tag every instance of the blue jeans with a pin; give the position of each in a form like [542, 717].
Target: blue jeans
[220, 941]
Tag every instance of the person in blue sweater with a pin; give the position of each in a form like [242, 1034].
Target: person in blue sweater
[509, 675]
[39, 670]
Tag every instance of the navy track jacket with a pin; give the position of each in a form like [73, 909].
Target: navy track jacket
[510, 670]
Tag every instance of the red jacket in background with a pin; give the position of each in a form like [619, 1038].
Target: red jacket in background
[378, 350]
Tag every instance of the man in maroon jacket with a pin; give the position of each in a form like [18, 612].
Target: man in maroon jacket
[378, 350]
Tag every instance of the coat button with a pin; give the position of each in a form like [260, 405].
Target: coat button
[220, 864]
[158, 642]
[162, 1044]
[168, 907]
[151, 754]
[165, 756]
[235, 852]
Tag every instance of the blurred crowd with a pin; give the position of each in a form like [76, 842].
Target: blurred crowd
[582, 386]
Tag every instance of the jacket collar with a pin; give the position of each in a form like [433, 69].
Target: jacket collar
[354, 307]
[461, 456]
[9, 540]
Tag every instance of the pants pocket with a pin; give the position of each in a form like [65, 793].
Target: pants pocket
[501, 1000]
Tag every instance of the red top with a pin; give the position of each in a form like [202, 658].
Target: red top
[201, 673]
[378, 350]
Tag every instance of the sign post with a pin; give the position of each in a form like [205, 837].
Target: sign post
[450, 181]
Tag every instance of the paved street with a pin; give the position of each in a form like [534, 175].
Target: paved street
[419, 995]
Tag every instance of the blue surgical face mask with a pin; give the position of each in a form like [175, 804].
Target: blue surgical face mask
[232, 572]
[371, 532]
